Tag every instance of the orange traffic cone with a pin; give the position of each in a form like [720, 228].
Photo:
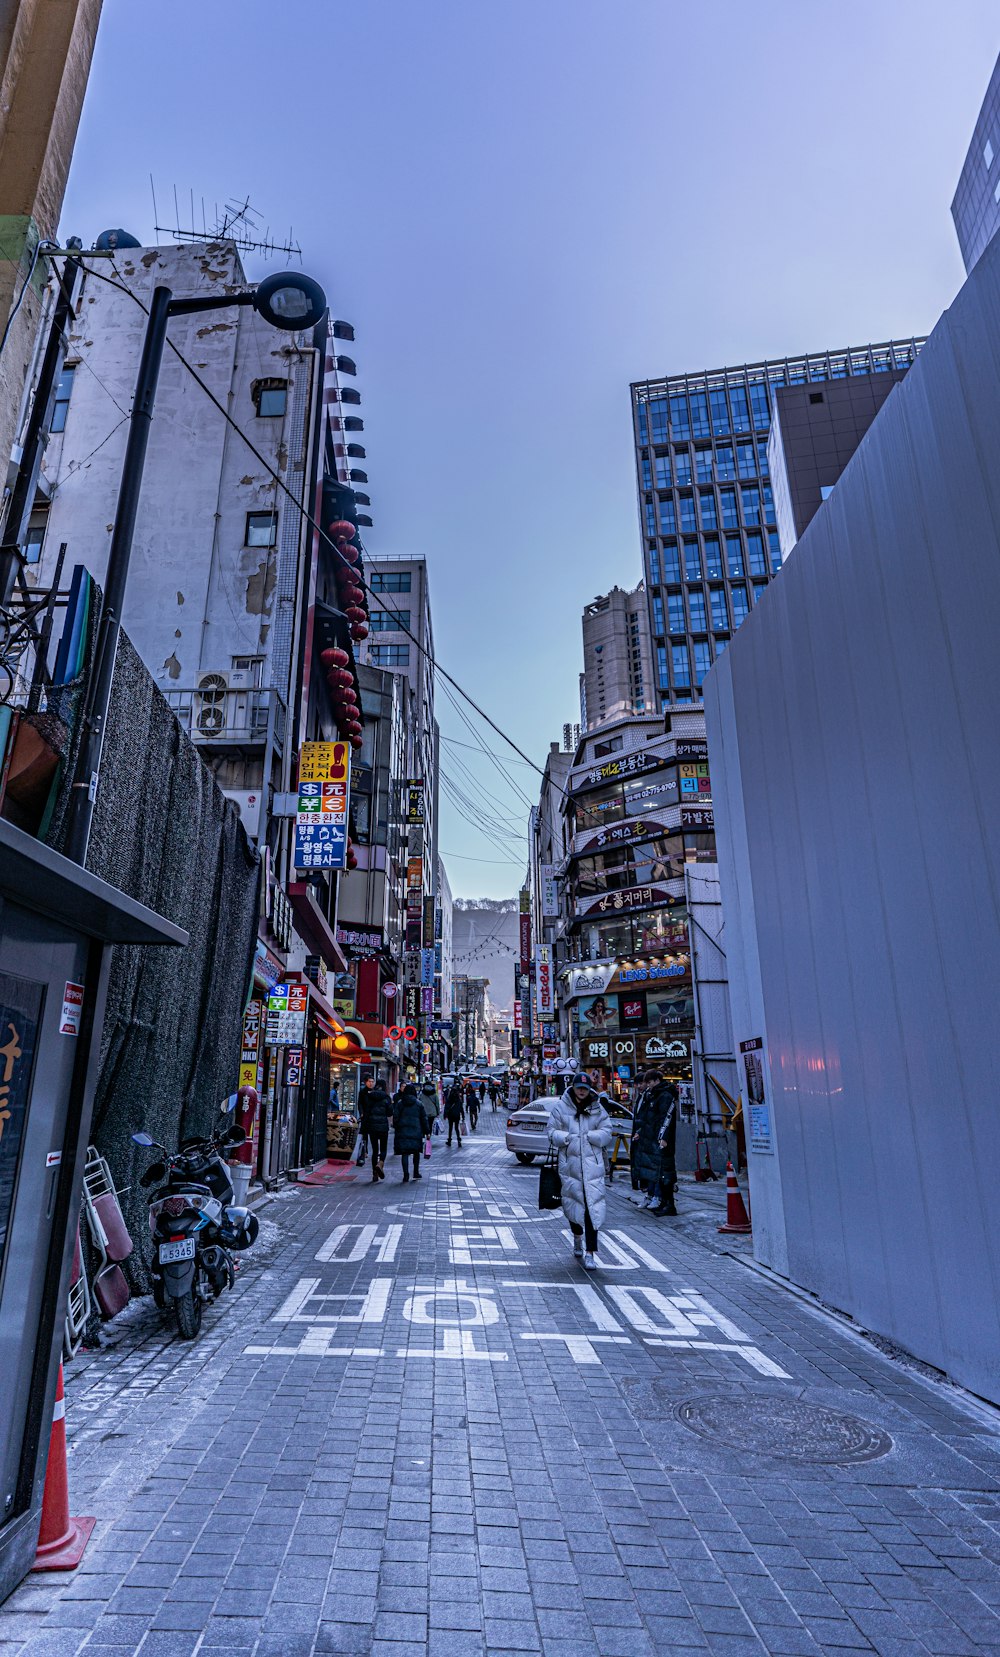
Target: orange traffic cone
[61, 1540]
[737, 1218]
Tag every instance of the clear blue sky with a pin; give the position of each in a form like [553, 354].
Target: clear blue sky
[522, 205]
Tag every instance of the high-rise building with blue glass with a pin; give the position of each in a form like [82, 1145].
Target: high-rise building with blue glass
[706, 511]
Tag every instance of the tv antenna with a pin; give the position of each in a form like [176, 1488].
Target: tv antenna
[238, 222]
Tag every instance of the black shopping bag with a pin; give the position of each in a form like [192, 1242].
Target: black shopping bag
[550, 1183]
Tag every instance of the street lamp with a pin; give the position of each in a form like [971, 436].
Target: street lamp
[288, 300]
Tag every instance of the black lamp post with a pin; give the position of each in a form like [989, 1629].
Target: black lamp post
[289, 301]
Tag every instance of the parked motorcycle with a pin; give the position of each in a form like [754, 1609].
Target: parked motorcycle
[194, 1223]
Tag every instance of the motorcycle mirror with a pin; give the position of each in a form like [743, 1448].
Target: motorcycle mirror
[227, 1106]
[143, 1139]
[155, 1171]
[234, 1137]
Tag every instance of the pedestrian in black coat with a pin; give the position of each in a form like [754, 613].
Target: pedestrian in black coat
[376, 1115]
[650, 1115]
[454, 1105]
[412, 1124]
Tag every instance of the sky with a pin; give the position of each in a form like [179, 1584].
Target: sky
[522, 206]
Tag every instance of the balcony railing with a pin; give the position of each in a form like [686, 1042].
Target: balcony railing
[230, 718]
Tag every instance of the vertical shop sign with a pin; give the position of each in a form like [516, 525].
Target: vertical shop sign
[427, 968]
[550, 891]
[20, 1014]
[250, 1048]
[286, 1015]
[293, 1067]
[322, 806]
[411, 1003]
[414, 799]
[428, 923]
[544, 980]
[758, 1109]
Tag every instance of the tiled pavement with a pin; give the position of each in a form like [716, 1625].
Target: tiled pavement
[418, 1427]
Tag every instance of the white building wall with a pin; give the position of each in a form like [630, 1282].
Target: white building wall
[852, 726]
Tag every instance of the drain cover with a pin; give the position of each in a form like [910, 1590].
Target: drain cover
[785, 1428]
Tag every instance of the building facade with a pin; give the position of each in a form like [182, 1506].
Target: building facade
[860, 884]
[617, 673]
[706, 509]
[975, 209]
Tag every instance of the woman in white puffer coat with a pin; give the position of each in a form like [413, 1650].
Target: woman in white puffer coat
[580, 1130]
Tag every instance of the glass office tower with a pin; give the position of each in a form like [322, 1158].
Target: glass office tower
[710, 541]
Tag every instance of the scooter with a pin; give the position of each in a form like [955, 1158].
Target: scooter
[194, 1224]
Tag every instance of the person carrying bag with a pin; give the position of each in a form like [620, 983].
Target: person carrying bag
[580, 1133]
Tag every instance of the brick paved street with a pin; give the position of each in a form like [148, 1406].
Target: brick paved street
[419, 1427]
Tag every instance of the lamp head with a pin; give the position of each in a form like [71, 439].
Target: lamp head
[290, 300]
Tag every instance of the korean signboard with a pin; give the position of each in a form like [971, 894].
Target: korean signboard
[20, 1014]
[525, 921]
[322, 808]
[411, 1003]
[250, 1046]
[293, 1067]
[357, 940]
[286, 1015]
[428, 940]
[630, 765]
[697, 817]
[545, 981]
[758, 1112]
[427, 968]
[695, 783]
[550, 891]
[688, 748]
[415, 800]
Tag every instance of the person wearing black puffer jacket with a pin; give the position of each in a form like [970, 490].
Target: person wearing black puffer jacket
[412, 1124]
[376, 1115]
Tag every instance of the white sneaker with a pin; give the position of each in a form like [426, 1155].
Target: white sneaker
[578, 1247]
[589, 1262]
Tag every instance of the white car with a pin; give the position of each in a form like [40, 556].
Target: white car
[528, 1131]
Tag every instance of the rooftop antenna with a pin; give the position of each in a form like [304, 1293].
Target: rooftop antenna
[238, 222]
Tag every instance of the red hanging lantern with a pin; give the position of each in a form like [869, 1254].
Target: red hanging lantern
[345, 678]
[354, 612]
[329, 657]
[359, 630]
[347, 551]
[341, 527]
[339, 658]
[355, 742]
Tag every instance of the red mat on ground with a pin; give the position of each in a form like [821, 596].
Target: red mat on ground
[327, 1173]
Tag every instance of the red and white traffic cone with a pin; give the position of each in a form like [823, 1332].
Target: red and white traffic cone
[61, 1540]
[737, 1218]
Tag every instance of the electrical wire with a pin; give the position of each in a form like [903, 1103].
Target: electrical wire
[43, 246]
[311, 521]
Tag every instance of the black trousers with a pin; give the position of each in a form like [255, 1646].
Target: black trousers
[380, 1145]
[586, 1231]
[457, 1128]
[409, 1156]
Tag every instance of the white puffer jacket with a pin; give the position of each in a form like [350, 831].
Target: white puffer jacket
[581, 1142]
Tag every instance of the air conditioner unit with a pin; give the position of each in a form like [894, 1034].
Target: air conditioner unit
[249, 805]
[210, 707]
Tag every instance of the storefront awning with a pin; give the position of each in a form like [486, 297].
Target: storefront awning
[314, 927]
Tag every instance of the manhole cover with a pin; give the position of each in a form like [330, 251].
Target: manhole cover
[785, 1428]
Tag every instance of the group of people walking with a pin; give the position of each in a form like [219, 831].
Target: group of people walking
[410, 1114]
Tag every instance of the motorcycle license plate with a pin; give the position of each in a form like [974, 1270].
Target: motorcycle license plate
[169, 1252]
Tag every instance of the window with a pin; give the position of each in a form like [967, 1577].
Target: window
[747, 458]
[661, 666]
[734, 557]
[390, 581]
[762, 465]
[32, 544]
[741, 605]
[647, 472]
[758, 402]
[696, 607]
[679, 418]
[692, 561]
[713, 559]
[658, 419]
[706, 501]
[702, 661]
[389, 655]
[720, 412]
[768, 502]
[63, 392]
[671, 562]
[682, 468]
[675, 610]
[252, 667]
[988, 154]
[650, 519]
[740, 409]
[389, 621]
[642, 423]
[699, 415]
[751, 503]
[662, 464]
[688, 524]
[703, 465]
[262, 529]
[825, 491]
[720, 614]
[668, 518]
[730, 516]
[657, 616]
[613, 744]
[725, 463]
[679, 662]
[755, 553]
[270, 397]
[654, 567]
[774, 547]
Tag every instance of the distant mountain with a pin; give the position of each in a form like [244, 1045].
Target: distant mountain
[486, 944]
